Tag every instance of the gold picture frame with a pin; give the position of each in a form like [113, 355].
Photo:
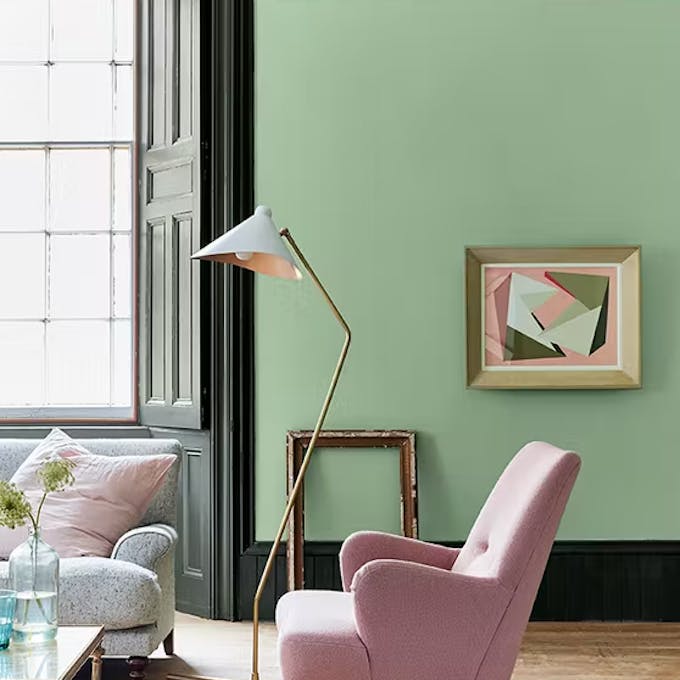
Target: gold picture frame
[500, 356]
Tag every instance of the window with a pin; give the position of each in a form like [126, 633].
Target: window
[66, 227]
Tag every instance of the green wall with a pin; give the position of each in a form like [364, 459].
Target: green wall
[392, 133]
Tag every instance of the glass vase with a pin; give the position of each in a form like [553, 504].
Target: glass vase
[34, 575]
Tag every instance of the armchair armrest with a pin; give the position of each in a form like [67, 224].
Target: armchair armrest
[146, 546]
[365, 546]
[422, 621]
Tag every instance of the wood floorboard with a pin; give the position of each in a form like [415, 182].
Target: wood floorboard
[550, 651]
[600, 651]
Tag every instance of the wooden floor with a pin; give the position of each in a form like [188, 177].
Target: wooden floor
[599, 651]
[589, 651]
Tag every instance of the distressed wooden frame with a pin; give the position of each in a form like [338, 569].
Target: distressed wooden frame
[296, 443]
[626, 377]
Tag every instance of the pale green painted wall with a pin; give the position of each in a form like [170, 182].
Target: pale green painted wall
[390, 134]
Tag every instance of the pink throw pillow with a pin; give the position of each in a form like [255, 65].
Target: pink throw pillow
[109, 497]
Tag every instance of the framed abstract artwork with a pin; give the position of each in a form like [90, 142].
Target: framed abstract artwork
[553, 318]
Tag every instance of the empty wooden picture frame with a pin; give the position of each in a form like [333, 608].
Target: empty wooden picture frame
[297, 442]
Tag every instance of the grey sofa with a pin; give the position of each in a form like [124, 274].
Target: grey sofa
[132, 593]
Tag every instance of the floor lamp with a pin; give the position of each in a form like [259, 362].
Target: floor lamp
[257, 244]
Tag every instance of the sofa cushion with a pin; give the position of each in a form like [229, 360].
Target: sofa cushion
[102, 591]
[108, 498]
[318, 637]
[13, 452]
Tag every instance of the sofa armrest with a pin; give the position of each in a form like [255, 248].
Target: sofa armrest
[365, 546]
[146, 546]
[441, 621]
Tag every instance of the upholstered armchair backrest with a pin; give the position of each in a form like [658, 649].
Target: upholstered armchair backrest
[521, 515]
[512, 538]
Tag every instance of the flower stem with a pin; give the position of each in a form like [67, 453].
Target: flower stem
[34, 555]
[36, 521]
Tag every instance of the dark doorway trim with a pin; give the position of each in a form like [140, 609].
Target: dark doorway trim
[228, 159]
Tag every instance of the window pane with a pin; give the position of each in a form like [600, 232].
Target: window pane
[80, 189]
[22, 363]
[23, 30]
[122, 113]
[121, 394]
[124, 44]
[122, 276]
[22, 277]
[79, 276]
[80, 102]
[66, 281]
[23, 113]
[122, 194]
[78, 366]
[22, 190]
[82, 29]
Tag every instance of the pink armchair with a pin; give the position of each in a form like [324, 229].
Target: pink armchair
[417, 611]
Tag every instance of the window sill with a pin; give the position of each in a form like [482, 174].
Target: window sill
[99, 431]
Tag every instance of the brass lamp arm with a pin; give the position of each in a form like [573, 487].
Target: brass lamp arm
[308, 454]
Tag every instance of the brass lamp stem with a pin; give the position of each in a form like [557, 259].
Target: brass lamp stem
[308, 454]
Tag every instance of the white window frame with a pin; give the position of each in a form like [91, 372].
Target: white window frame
[105, 414]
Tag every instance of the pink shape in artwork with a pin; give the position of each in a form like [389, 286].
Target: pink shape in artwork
[497, 296]
[558, 284]
[502, 298]
[494, 350]
[552, 308]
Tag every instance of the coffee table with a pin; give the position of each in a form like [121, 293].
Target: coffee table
[58, 659]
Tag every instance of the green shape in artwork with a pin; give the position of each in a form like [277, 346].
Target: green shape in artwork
[577, 333]
[519, 346]
[589, 289]
[575, 309]
[535, 300]
[600, 336]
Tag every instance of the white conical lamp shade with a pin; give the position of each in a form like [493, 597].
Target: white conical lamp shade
[254, 244]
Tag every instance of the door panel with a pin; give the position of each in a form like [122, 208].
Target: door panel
[195, 525]
[170, 323]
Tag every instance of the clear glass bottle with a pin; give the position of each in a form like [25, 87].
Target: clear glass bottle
[34, 575]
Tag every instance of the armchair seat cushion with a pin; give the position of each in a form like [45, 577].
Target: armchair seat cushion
[100, 591]
[318, 637]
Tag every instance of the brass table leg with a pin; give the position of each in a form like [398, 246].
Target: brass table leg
[97, 663]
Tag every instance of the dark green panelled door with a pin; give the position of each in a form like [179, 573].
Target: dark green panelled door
[169, 214]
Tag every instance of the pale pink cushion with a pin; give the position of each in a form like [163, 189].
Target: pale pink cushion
[109, 497]
[318, 637]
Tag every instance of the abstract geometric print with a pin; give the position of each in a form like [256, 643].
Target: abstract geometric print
[524, 332]
[583, 326]
[547, 315]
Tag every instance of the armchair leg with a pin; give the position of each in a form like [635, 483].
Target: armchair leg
[136, 666]
[169, 643]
